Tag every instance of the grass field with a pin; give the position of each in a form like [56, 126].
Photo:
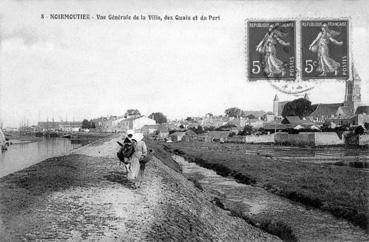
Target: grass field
[341, 190]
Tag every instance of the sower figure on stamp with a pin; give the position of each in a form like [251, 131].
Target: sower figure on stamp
[326, 64]
[267, 47]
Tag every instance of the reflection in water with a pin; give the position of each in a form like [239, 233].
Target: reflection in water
[20, 156]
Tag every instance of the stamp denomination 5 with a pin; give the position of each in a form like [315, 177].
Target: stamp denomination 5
[271, 50]
[325, 49]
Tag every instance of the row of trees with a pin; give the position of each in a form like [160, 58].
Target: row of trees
[299, 107]
[159, 117]
[247, 130]
[88, 124]
[238, 113]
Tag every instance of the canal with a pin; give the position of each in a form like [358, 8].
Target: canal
[23, 155]
[261, 206]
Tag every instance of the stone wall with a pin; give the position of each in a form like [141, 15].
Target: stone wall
[328, 138]
[260, 138]
[309, 138]
[364, 139]
[303, 138]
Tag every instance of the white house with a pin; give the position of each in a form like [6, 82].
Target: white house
[135, 123]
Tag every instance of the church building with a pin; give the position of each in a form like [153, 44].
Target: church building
[348, 112]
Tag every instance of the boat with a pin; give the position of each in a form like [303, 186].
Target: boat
[51, 134]
[39, 134]
[3, 141]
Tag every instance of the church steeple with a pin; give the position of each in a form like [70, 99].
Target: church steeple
[353, 91]
[306, 97]
[276, 98]
[275, 105]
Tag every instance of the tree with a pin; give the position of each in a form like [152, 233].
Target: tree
[132, 112]
[226, 127]
[264, 117]
[359, 130]
[233, 112]
[190, 119]
[247, 130]
[92, 125]
[158, 117]
[298, 107]
[231, 134]
[211, 128]
[251, 116]
[85, 124]
[198, 130]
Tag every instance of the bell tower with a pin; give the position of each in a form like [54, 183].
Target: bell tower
[275, 105]
[353, 91]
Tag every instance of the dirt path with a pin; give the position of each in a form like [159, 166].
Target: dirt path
[86, 196]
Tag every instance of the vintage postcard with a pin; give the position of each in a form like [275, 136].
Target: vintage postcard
[193, 120]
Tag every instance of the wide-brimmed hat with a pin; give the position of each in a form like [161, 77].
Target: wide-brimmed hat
[137, 136]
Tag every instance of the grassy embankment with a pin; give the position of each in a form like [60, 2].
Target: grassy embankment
[342, 191]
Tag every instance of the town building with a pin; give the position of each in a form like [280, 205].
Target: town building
[183, 135]
[149, 129]
[215, 136]
[163, 132]
[62, 126]
[213, 121]
[135, 123]
[349, 112]
[278, 106]
[105, 124]
[324, 111]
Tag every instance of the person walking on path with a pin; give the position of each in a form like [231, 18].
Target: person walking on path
[134, 161]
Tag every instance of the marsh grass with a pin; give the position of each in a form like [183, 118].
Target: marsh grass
[341, 190]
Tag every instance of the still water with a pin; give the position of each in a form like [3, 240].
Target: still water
[20, 156]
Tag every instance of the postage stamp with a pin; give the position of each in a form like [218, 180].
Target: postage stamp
[271, 50]
[325, 49]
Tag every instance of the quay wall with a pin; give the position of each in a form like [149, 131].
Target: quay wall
[260, 138]
[364, 139]
[309, 138]
[303, 138]
[328, 138]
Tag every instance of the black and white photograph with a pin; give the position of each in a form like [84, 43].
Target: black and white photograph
[325, 49]
[196, 120]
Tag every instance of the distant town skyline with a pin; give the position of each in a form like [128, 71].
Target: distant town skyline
[88, 69]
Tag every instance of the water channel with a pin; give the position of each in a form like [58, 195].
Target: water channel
[258, 204]
[23, 155]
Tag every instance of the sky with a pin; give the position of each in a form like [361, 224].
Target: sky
[74, 70]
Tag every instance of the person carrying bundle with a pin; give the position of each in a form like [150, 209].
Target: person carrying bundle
[140, 152]
[126, 150]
